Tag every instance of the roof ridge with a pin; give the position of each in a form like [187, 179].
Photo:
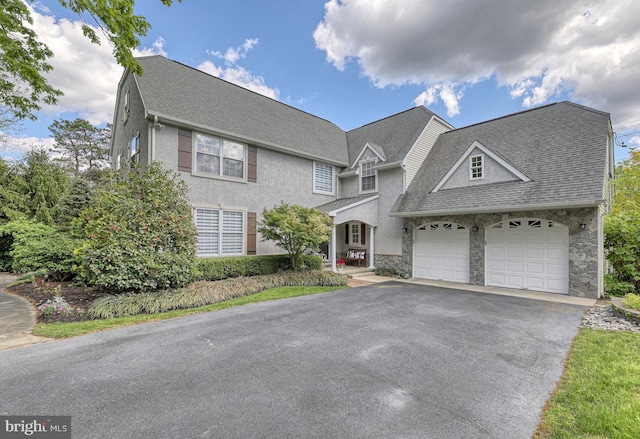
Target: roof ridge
[242, 88]
[394, 115]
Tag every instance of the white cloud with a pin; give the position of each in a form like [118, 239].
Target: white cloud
[15, 147]
[538, 50]
[236, 74]
[87, 73]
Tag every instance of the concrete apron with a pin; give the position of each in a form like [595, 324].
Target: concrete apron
[535, 295]
[17, 318]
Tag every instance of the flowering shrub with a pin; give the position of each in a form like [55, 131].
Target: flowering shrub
[54, 306]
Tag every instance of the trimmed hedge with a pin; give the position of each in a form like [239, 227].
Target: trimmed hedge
[206, 293]
[244, 266]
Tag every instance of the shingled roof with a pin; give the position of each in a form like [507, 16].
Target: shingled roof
[181, 93]
[394, 135]
[561, 147]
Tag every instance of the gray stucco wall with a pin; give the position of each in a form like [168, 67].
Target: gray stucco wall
[280, 177]
[123, 131]
[584, 266]
[493, 172]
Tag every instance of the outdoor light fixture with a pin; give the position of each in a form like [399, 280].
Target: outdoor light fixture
[583, 223]
[474, 228]
[405, 229]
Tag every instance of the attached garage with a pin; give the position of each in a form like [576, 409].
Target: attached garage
[528, 253]
[441, 252]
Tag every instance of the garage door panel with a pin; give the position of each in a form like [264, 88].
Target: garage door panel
[529, 254]
[446, 249]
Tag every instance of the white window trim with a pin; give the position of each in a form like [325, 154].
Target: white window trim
[375, 174]
[351, 241]
[471, 167]
[126, 106]
[194, 159]
[333, 179]
[221, 229]
[130, 154]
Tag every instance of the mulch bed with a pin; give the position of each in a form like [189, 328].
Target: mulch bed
[77, 296]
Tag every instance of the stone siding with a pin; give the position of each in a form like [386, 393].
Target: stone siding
[393, 262]
[583, 243]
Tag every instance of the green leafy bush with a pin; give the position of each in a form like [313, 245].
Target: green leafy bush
[632, 301]
[392, 272]
[622, 244]
[239, 266]
[206, 293]
[27, 246]
[139, 233]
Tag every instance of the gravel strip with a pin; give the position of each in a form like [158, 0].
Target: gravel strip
[602, 317]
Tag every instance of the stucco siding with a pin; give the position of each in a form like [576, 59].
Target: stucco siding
[494, 172]
[280, 177]
[423, 145]
[124, 131]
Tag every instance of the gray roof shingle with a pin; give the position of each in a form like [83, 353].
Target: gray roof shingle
[182, 93]
[562, 147]
[343, 202]
[394, 135]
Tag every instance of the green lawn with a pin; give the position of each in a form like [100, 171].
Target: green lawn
[64, 330]
[599, 393]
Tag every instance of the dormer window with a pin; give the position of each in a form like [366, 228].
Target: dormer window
[368, 176]
[476, 169]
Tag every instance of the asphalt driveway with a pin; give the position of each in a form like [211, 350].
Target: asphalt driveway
[386, 361]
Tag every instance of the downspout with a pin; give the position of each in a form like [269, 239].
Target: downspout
[332, 250]
[153, 138]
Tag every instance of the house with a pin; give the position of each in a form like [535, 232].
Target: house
[385, 184]
[514, 202]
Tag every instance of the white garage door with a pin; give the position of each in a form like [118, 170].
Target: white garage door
[529, 254]
[441, 252]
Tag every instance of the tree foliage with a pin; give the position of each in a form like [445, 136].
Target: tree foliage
[24, 59]
[139, 233]
[295, 229]
[43, 183]
[83, 148]
[622, 229]
[12, 202]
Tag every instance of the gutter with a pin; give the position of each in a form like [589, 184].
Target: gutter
[513, 208]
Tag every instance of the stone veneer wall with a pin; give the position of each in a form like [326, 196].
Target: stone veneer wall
[393, 262]
[583, 243]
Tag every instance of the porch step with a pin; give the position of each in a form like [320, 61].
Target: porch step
[354, 273]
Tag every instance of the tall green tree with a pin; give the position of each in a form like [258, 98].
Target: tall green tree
[295, 229]
[622, 229]
[24, 59]
[83, 148]
[12, 201]
[43, 183]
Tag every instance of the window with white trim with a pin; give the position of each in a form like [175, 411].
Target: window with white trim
[476, 166]
[355, 234]
[322, 178]
[219, 157]
[126, 106]
[368, 176]
[134, 149]
[220, 232]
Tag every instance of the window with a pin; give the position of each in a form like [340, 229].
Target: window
[219, 157]
[126, 106]
[477, 166]
[220, 232]
[368, 176]
[355, 234]
[322, 178]
[134, 149]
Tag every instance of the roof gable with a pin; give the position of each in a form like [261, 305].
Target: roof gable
[376, 151]
[561, 148]
[462, 165]
[393, 136]
[191, 98]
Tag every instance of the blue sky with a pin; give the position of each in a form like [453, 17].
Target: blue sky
[355, 61]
